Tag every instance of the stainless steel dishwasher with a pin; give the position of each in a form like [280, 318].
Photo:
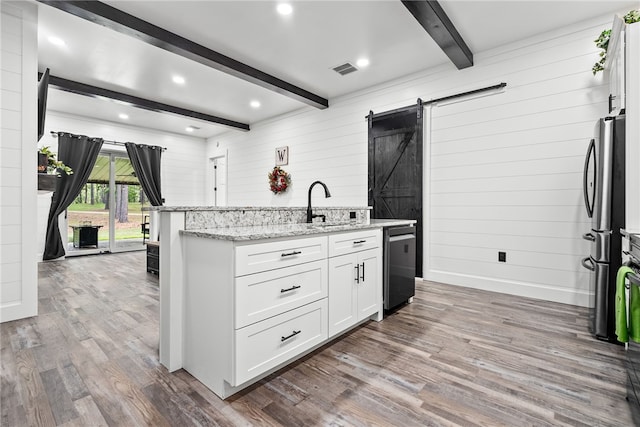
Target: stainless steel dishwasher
[399, 269]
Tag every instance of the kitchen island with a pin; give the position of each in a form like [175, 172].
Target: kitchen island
[250, 299]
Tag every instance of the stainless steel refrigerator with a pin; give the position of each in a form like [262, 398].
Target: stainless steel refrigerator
[603, 185]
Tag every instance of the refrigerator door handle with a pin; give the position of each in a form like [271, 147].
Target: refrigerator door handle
[585, 178]
[590, 266]
[589, 236]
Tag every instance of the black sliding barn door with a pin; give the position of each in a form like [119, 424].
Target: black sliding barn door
[395, 168]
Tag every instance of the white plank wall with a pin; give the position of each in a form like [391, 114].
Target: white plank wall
[503, 171]
[18, 160]
[505, 174]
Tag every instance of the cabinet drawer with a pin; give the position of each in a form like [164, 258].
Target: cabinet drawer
[267, 344]
[269, 256]
[263, 295]
[346, 243]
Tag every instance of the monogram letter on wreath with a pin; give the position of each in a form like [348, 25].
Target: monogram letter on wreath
[279, 180]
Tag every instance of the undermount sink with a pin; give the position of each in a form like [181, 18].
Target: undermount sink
[328, 224]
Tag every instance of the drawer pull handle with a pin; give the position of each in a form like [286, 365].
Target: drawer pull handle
[293, 288]
[357, 242]
[293, 334]
[291, 253]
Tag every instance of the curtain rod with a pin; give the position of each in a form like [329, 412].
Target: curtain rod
[106, 141]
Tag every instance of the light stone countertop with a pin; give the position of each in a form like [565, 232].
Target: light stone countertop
[289, 230]
[247, 208]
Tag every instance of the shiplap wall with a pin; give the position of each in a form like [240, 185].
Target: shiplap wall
[183, 175]
[18, 161]
[505, 173]
[503, 169]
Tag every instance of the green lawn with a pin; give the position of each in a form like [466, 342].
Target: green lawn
[85, 213]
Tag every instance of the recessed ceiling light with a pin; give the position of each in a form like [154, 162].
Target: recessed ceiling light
[362, 62]
[179, 80]
[284, 9]
[255, 104]
[123, 116]
[189, 129]
[56, 41]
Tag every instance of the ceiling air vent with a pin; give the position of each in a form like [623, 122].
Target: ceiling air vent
[345, 69]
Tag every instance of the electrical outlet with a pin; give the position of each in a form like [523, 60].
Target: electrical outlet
[502, 257]
[352, 215]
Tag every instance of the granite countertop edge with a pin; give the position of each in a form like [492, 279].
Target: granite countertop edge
[246, 208]
[289, 230]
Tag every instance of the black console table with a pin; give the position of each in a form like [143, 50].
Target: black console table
[153, 257]
[85, 235]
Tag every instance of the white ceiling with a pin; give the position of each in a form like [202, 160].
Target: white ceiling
[301, 48]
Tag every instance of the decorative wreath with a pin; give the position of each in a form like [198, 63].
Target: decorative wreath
[279, 180]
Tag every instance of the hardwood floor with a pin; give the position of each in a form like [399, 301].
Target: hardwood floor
[456, 356]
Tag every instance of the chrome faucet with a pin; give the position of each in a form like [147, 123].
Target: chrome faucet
[310, 214]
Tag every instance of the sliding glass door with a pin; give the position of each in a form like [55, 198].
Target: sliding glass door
[107, 214]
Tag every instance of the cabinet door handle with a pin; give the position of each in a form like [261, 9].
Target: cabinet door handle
[293, 334]
[357, 267]
[362, 278]
[357, 242]
[293, 288]
[291, 253]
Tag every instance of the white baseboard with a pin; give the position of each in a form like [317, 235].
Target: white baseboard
[525, 289]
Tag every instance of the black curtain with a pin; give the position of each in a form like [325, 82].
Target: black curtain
[145, 160]
[79, 152]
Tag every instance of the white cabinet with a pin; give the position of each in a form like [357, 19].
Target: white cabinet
[263, 295]
[257, 257]
[355, 285]
[615, 67]
[632, 127]
[267, 344]
[251, 307]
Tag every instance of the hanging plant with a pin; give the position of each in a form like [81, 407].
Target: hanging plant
[602, 42]
[279, 180]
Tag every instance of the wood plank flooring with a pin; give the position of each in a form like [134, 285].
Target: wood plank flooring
[456, 356]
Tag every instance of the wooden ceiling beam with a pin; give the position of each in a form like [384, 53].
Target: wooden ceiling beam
[122, 22]
[435, 21]
[94, 91]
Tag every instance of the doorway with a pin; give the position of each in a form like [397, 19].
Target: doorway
[395, 168]
[107, 215]
[219, 180]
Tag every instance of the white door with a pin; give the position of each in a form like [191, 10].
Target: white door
[219, 171]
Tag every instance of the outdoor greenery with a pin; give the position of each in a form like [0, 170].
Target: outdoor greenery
[87, 207]
[92, 206]
[93, 194]
[602, 41]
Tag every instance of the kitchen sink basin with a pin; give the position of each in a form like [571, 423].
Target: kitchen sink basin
[328, 224]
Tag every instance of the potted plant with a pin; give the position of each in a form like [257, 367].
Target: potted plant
[47, 163]
[603, 40]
